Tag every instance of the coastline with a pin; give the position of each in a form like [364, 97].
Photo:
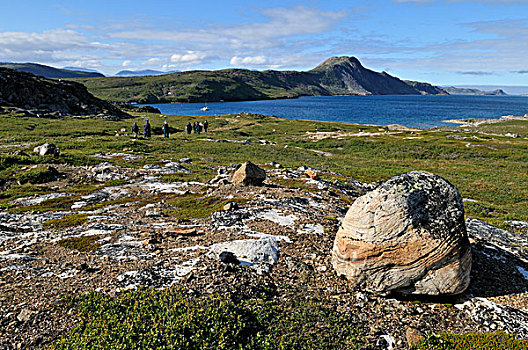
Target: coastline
[479, 121]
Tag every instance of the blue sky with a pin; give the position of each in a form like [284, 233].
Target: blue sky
[462, 42]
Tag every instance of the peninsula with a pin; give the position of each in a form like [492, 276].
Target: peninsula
[335, 76]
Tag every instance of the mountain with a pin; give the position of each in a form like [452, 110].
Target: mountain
[335, 76]
[141, 73]
[32, 92]
[468, 91]
[50, 72]
[81, 69]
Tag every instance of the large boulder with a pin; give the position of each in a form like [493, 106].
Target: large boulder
[249, 174]
[407, 237]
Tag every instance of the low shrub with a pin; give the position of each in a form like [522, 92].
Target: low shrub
[174, 319]
[472, 341]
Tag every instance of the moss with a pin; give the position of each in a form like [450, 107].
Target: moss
[82, 243]
[471, 341]
[66, 221]
[54, 204]
[195, 206]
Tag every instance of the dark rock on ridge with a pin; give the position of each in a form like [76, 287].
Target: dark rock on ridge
[28, 91]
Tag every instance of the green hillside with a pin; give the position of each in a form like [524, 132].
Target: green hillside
[335, 76]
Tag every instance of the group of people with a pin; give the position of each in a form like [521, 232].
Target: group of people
[147, 129]
[196, 127]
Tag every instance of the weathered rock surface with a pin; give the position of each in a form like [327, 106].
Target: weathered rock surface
[47, 148]
[249, 174]
[407, 236]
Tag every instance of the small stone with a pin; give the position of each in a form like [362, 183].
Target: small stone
[185, 160]
[311, 174]
[231, 206]
[24, 315]
[228, 258]
[413, 336]
[153, 213]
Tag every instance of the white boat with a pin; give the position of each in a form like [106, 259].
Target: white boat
[204, 108]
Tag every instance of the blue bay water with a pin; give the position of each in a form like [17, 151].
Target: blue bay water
[409, 110]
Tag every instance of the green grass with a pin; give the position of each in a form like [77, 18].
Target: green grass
[195, 206]
[66, 221]
[174, 319]
[471, 341]
[494, 176]
[82, 243]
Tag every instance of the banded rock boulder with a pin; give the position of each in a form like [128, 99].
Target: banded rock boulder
[407, 236]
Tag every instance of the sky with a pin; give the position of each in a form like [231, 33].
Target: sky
[444, 42]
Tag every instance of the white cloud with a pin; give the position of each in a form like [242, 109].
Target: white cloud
[248, 61]
[126, 63]
[188, 57]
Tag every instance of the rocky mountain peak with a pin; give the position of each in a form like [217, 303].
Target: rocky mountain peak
[339, 61]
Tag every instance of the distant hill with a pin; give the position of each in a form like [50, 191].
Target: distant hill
[141, 73]
[467, 91]
[32, 92]
[335, 76]
[80, 69]
[50, 72]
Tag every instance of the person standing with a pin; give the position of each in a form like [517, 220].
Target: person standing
[205, 125]
[147, 130]
[135, 130]
[188, 127]
[165, 129]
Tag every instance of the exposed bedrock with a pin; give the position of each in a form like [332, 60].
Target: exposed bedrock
[407, 236]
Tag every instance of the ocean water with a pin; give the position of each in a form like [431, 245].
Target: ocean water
[409, 110]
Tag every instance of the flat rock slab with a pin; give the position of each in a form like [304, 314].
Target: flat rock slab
[259, 253]
[407, 236]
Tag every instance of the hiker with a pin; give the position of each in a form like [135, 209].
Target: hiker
[135, 130]
[200, 126]
[205, 125]
[147, 130]
[188, 127]
[165, 129]
[195, 127]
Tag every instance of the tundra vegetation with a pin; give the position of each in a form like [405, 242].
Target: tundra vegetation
[485, 163]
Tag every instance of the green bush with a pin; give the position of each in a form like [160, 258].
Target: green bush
[173, 319]
[472, 341]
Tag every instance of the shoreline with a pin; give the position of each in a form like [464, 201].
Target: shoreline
[479, 121]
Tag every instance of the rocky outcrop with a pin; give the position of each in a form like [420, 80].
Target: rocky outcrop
[31, 92]
[249, 174]
[407, 236]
